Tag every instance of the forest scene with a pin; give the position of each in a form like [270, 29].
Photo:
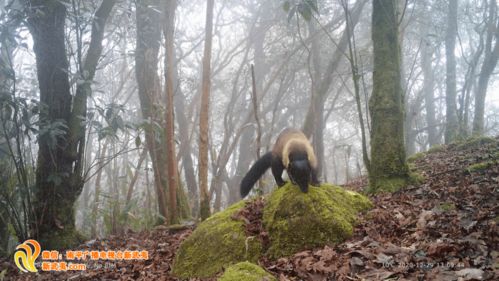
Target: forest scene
[249, 140]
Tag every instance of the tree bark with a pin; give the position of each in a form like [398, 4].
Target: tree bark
[135, 177]
[185, 148]
[388, 167]
[168, 31]
[451, 128]
[146, 70]
[428, 81]
[101, 156]
[488, 66]
[204, 115]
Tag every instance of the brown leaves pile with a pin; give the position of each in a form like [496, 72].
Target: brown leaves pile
[252, 215]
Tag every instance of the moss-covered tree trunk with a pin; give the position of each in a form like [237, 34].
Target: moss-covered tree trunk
[388, 167]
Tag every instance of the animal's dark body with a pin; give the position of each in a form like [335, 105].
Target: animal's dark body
[292, 151]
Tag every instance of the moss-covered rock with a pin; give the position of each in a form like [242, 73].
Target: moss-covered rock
[296, 221]
[246, 271]
[474, 142]
[216, 243]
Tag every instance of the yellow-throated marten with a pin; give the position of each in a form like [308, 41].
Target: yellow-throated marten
[292, 151]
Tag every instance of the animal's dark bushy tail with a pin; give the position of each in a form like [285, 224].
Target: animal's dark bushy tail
[257, 170]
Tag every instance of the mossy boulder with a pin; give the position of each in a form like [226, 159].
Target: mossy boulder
[246, 271]
[475, 142]
[296, 221]
[216, 243]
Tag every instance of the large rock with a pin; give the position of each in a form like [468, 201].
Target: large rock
[216, 243]
[294, 221]
[297, 221]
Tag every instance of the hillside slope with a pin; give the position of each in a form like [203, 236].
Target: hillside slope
[442, 229]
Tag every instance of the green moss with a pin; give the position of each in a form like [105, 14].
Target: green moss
[447, 206]
[480, 166]
[415, 157]
[416, 177]
[66, 238]
[436, 148]
[296, 221]
[216, 243]
[183, 208]
[246, 271]
[389, 184]
[475, 142]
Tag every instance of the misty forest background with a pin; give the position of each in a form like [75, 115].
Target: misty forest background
[118, 115]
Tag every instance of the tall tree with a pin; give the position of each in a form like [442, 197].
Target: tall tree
[388, 168]
[451, 128]
[428, 80]
[185, 147]
[170, 126]
[205, 115]
[146, 71]
[59, 171]
[488, 66]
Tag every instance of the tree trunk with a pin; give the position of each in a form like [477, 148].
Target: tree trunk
[101, 156]
[170, 126]
[47, 29]
[428, 82]
[204, 115]
[243, 163]
[185, 148]
[135, 177]
[451, 128]
[355, 78]
[60, 160]
[388, 169]
[488, 66]
[113, 178]
[146, 70]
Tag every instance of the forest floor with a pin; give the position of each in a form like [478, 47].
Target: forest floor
[442, 229]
